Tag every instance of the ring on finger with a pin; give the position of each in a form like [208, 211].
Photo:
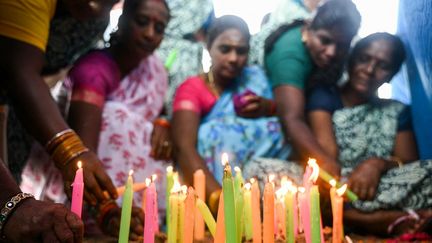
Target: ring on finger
[165, 144]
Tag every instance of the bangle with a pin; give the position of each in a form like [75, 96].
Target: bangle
[58, 138]
[9, 207]
[64, 147]
[161, 122]
[397, 160]
[213, 200]
[104, 209]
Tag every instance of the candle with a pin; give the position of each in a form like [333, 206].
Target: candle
[291, 214]
[189, 216]
[229, 205]
[256, 212]
[268, 219]
[169, 185]
[280, 229]
[304, 213]
[248, 211]
[315, 212]
[199, 185]
[173, 216]
[126, 211]
[182, 207]
[239, 206]
[150, 200]
[337, 209]
[78, 191]
[220, 224]
[206, 214]
[156, 209]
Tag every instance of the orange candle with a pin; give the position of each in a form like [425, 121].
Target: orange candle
[189, 216]
[220, 224]
[337, 209]
[199, 185]
[268, 219]
[256, 211]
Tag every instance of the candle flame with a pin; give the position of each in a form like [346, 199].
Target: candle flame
[294, 189]
[247, 186]
[286, 183]
[131, 172]
[252, 180]
[224, 159]
[147, 182]
[176, 187]
[154, 177]
[332, 182]
[79, 164]
[271, 178]
[301, 189]
[348, 239]
[315, 170]
[184, 189]
[169, 169]
[280, 193]
[237, 169]
[341, 190]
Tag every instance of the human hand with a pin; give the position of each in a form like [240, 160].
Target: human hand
[365, 178]
[256, 106]
[111, 225]
[96, 180]
[161, 144]
[37, 221]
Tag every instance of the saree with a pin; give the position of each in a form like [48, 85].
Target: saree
[223, 131]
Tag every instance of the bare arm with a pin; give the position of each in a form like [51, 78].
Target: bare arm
[290, 103]
[184, 133]
[405, 146]
[320, 122]
[21, 65]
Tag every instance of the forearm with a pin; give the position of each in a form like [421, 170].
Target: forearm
[8, 186]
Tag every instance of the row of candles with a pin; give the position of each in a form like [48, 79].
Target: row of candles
[286, 211]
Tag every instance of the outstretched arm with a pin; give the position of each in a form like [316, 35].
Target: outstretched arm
[21, 66]
[290, 106]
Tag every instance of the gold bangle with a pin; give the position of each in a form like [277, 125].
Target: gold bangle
[214, 199]
[69, 147]
[58, 138]
[397, 160]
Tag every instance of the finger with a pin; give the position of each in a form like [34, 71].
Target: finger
[251, 98]
[364, 192]
[88, 197]
[133, 236]
[62, 230]
[138, 213]
[106, 183]
[371, 193]
[49, 237]
[68, 188]
[251, 107]
[76, 225]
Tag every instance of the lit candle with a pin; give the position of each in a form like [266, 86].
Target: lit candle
[126, 211]
[199, 185]
[304, 212]
[206, 214]
[337, 209]
[149, 227]
[280, 229]
[182, 207]
[174, 214]
[156, 209]
[248, 211]
[315, 212]
[189, 216]
[238, 198]
[229, 203]
[268, 220]
[256, 212]
[220, 224]
[291, 214]
[169, 185]
[78, 191]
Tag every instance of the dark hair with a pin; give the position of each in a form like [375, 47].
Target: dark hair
[341, 15]
[129, 6]
[398, 50]
[224, 23]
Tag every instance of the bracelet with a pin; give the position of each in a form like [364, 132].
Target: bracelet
[9, 207]
[58, 138]
[104, 209]
[65, 147]
[162, 122]
[396, 160]
[213, 199]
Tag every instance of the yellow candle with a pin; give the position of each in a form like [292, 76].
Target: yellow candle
[169, 185]
[174, 213]
[268, 224]
[181, 221]
[199, 185]
[256, 212]
[208, 217]
[248, 211]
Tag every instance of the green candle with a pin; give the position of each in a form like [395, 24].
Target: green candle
[230, 212]
[315, 216]
[172, 56]
[207, 216]
[248, 211]
[239, 205]
[169, 185]
[126, 210]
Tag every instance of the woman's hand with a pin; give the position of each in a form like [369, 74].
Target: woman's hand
[256, 106]
[111, 225]
[96, 179]
[365, 178]
[37, 221]
[161, 144]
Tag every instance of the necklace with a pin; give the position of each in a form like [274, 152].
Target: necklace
[211, 83]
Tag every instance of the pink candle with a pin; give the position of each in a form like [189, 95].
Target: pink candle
[303, 199]
[156, 209]
[149, 228]
[78, 191]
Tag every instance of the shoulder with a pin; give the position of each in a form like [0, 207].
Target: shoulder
[324, 98]
[191, 83]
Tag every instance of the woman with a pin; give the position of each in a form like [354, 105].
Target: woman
[300, 54]
[205, 121]
[117, 96]
[373, 141]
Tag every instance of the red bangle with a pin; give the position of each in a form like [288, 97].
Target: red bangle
[103, 211]
[161, 122]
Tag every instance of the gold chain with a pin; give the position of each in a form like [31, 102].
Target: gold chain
[210, 81]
